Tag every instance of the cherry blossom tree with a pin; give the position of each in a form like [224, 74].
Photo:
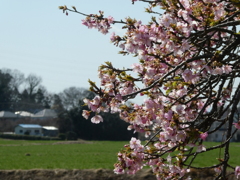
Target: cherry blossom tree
[187, 70]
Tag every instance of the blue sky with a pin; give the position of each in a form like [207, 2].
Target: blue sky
[36, 37]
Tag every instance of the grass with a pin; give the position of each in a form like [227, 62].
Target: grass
[92, 155]
[101, 154]
[211, 157]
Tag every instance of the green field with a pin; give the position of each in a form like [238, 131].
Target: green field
[210, 158]
[21, 154]
[47, 155]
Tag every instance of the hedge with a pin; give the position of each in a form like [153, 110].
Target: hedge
[26, 137]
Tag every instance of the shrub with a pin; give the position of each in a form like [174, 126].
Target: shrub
[62, 136]
[26, 137]
[71, 135]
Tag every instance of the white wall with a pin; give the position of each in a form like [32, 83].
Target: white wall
[32, 131]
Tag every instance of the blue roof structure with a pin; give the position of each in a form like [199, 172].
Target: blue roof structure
[30, 125]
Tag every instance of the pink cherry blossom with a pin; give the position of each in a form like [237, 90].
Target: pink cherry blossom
[86, 114]
[186, 4]
[166, 20]
[137, 68]
[184, 14]
[187, 75]
[217, 71]
[178, 108]
[118, 169]
[180, 136]
[237, 171]
[218, 170]
[204, 136]
[135, 143]
[110, 19]
[113, 37]
[227, 69]
[201, 148]
[219, 11]
[96, 119]
[237, 125]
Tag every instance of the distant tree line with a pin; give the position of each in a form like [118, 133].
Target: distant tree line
[20, 93]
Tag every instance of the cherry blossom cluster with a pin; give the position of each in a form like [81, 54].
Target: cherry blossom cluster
[98, 22]
[131, 159]
[187, 63]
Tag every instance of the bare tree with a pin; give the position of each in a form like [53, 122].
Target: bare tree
[17, 78]
[72, 96]
[32, 82]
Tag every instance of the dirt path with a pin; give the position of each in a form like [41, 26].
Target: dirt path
[59, 174]
[90, 174]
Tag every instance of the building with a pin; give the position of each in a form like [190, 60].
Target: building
[8, 115]
[50, 131]
[29, 129]
[36, 130]
[220, 134]
[45, 114]
[24, 114]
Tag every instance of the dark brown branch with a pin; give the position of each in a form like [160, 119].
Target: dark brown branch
[167, 74]
[236, 100]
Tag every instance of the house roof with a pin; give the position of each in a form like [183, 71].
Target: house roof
[46, 113]
[24, 113]
[7, 114]
[50, 128]
[30, 126]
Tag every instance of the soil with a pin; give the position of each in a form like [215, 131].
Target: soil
[60, 174]
[90, 174]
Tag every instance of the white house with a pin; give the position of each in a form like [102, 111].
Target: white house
[28, 129]
[220, 134]
[36, 130]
